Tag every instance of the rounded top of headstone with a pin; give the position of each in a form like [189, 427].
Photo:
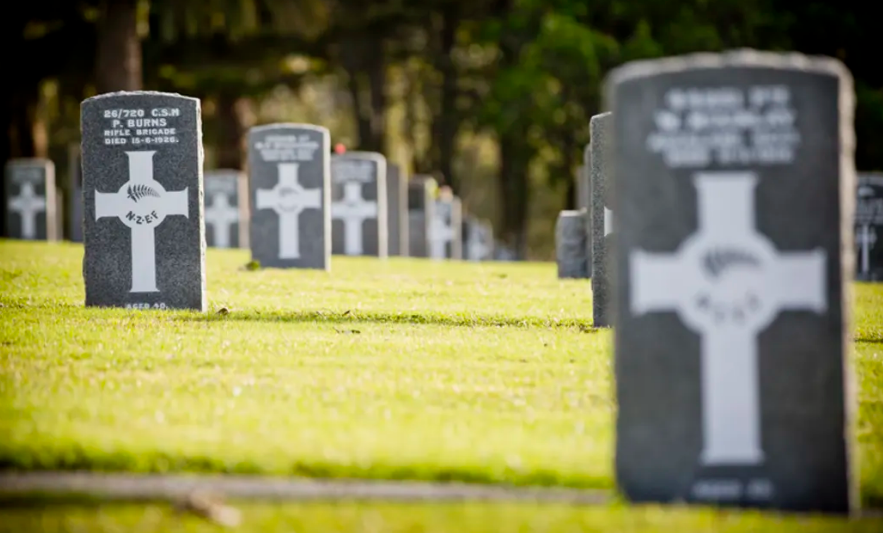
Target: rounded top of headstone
[29, 162]
[224, 172]
[288, 125]
[743, 57]
[117, 94]
[357, 154]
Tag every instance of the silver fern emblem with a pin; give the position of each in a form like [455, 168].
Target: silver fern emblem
[139, 191]
[717, 261]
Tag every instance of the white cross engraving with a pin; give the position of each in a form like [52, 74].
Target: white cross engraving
[288, 199]
[353, 210]
[440, 233]
[608, 221]
[27, 204]
[142, 204]
[221, 215]
[727, 282]
[866, 240]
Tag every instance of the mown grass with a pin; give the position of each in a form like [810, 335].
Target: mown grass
[379, 369]
[352, 517]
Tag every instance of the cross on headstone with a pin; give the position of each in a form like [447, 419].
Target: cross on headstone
[288, 199]
[866, 239]
[727, 282]
[142, 204]
[222, 216]
[353, 210]
[28, 204]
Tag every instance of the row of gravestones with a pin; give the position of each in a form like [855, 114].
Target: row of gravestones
[718, 221]
[730, 184]
[360, 224]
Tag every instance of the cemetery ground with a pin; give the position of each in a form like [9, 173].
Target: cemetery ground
[388, 370]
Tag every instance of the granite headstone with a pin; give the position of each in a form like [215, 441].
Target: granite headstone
[290, 195]
[30, 197]
[445, 231]
[478, 239]
[734, 197]
[869, 227]
[571, 243]
[142, 195]
[421, 212]
[226, 209]
[358, 204]
[397, 211]
[602, 220]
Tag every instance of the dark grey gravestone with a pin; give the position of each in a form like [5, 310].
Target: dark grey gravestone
[421, 212]
[571, 244]
[478, 239]
[397, 211]
[869, 227]
[733, 204]
[358, 204]
[30, 200]
[142, 194]
[75, 188]
[445, 231]
[226, 209]
[59, 214]
[600, 237]
[290, 195]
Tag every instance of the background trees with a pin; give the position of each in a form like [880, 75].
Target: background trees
[493, 96]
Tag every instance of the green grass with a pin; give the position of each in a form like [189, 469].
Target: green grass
[380, 369]
[417, 518]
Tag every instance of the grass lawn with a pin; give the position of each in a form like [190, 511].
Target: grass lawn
[398, 369]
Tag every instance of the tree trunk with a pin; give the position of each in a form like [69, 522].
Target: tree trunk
[232, 112]
[446, 123]
[377, 86]
[118, 57]
[514, 159]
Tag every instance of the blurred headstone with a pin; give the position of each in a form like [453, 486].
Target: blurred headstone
[571, 243]
[602, 220]
[397, 211]
[142, 182]
[733, 208]
[290, 195]
[478, 239]
[226, 209]
[75, 186]
[421, 212]
[31, 202]
[869, 227]
[445, 231]
[358, 204]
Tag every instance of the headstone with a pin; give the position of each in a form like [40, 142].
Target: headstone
[142, 193]
[226, 209]
[290, 195]
[733, 196]
[583, 191]
[478, 239]
[421, 212]
[75, 186]
[445, 231]
[503, 253]
[59, 214]
[397, 211]
[600, 237]
[570, 244]
[30, 197]
[358, 204]
[869, 227]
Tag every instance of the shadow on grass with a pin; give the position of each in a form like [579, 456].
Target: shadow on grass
[362, 317]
